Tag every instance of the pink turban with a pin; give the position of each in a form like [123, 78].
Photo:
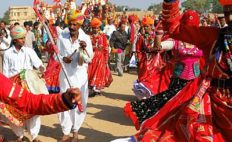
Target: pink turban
[18, 32]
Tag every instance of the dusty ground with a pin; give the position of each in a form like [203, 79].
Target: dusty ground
[105, 119]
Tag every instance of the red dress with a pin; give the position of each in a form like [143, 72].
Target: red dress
[153, 71]
[202, 112]
[99, 74]
[51, 75]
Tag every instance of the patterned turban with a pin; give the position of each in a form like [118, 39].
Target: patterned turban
[147, 21]
[190, 17]
[225, 2]
[95, 23]
[76, 16]
[17, 32]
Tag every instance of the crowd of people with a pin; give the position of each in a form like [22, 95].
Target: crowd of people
[183, 61]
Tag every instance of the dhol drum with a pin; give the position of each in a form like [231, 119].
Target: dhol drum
[30, 81]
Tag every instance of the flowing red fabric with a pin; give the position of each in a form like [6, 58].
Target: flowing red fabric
[188, 117]
[51, 75]
[197, 114]
[153, 71]
[157, 77]
[99, 74]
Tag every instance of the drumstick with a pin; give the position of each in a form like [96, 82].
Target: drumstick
[73, 53]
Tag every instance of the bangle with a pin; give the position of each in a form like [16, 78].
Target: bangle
[159, 32]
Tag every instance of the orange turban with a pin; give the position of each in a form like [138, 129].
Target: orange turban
[147, 21]
[225, 2]
[76, 16]
[95, 23]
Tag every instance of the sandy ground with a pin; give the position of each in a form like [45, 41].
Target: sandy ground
[105, 120]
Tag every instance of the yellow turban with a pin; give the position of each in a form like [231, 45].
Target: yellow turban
[95, 23]
[226, 2]
[18, 32]
[76, 16]
[147, 21]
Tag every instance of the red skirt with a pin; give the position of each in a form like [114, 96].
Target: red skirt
[99, 74]
[51, 75]
[154, 73]
[195, 115]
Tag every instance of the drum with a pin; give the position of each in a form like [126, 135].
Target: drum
[30, 81]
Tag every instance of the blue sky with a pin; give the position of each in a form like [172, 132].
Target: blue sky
[143, 4]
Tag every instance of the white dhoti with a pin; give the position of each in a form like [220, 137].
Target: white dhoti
[32, 125]
[77, 75]
[73, 119]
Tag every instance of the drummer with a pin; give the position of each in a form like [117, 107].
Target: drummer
[16, 59]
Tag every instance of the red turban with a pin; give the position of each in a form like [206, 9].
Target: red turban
[132, 18]
[190, 17]
[124, 20]
[95, 23]
[225, 2]
[147, 21]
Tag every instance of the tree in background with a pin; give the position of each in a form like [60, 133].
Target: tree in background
[156, 8]
[6, 17]
[203, 6]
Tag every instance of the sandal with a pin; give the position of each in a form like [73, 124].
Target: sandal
[75, 137]
[65, 138]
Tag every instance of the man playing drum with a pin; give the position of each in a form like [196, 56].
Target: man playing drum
[29, 104]
[16, 59]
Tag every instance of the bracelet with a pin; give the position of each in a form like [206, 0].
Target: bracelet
[159, 32]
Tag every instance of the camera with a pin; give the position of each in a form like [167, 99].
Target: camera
[125, 8]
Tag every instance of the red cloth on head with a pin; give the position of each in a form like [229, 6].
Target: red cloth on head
[132, 18]
[225, 2]
[190, 17]
[123, 20]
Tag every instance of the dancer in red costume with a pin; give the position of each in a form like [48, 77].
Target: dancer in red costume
[51, 75]
[99, 74]
[186, 70]
[30, 104]
[204, 115]
[151, 71]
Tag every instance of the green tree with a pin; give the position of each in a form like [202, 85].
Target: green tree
[6, 17]
[203, 6]
[156, 8]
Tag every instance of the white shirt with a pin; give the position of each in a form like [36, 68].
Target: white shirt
[30, 37]
[15, 61]
[109, 29]
[76, 73]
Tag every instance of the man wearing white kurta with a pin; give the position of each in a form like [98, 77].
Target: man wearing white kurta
[75, 50]
[17, 58]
